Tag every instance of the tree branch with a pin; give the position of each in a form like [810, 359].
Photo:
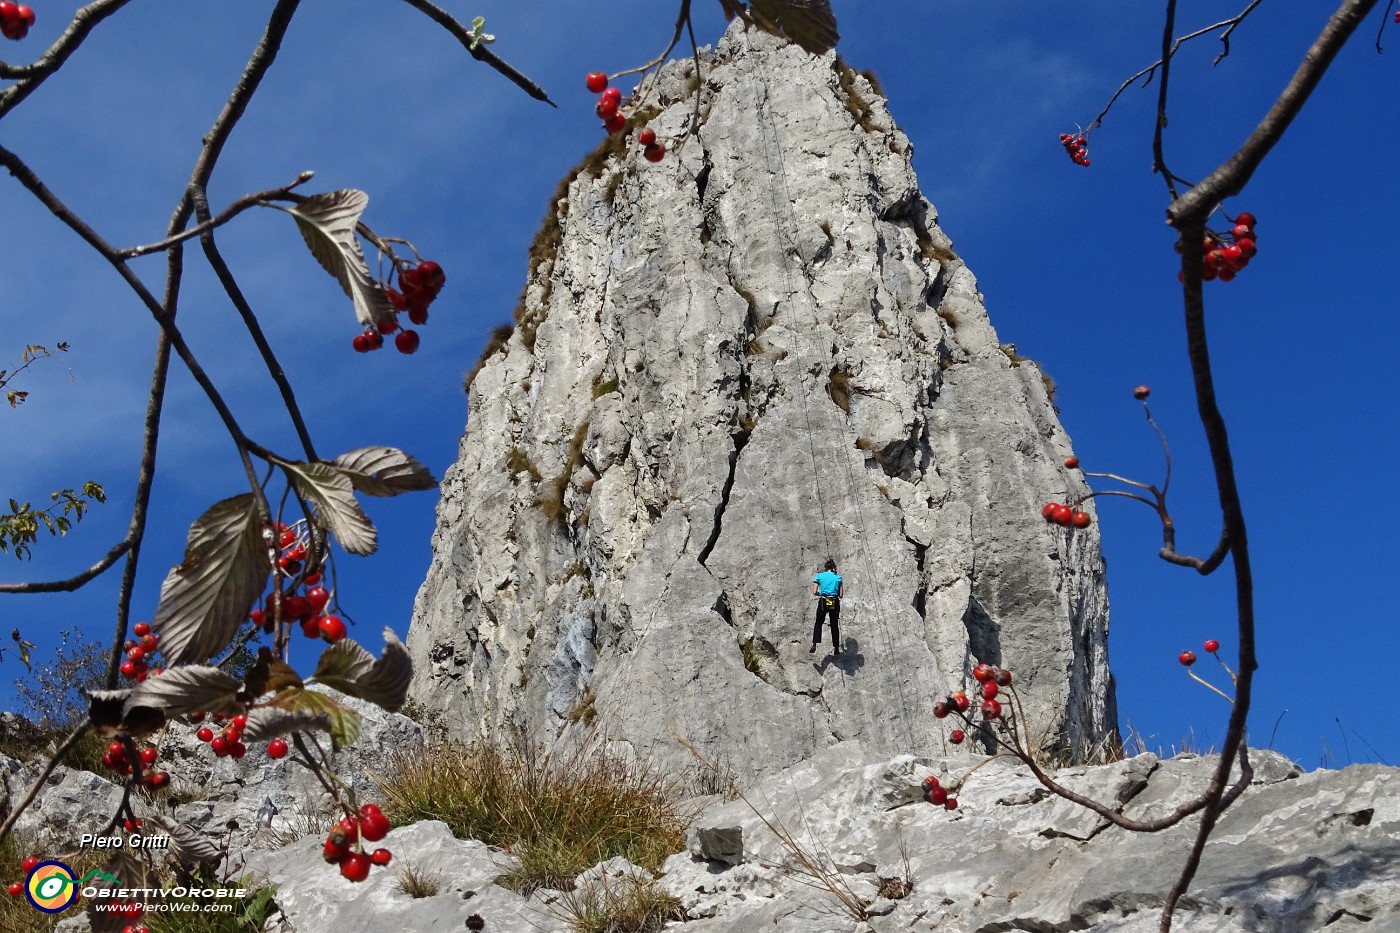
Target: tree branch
[31, 76]
[478, 50]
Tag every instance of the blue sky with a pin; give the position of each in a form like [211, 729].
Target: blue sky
[1076, 265]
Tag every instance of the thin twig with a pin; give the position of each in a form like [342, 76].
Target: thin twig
[478, 50]
[210, 223]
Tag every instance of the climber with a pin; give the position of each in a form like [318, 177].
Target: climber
[828, 589]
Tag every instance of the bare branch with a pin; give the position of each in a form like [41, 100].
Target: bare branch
[478, 50]
[230, 212]
[31, 76]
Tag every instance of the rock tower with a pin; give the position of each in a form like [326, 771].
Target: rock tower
[725, 368]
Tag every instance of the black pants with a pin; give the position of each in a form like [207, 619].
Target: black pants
[828, 606]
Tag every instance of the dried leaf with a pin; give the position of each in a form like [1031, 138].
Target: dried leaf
[114, 716]
[205, 599]
[327, 222]
[352, 670]
[384, 471]
[187, 844]
[331, 492]
[268, 722]
[268, 674]
[181, 690]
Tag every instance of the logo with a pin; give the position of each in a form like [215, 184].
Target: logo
[51, 887]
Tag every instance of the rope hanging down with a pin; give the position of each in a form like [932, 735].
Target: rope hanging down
[776, 165]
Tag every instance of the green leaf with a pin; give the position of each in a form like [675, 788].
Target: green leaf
[352, 670]
[384, 471]
[344, 723]
[327, 222]
[207, 597]
[331, 492]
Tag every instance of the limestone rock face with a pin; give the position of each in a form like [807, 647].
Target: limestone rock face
[727, 367]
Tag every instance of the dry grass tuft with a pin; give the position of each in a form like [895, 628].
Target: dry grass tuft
[560, 814]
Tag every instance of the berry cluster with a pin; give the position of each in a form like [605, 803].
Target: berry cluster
[344, 843]
[1187, 658]
[934, 793]
[15, 20]
[1228, 253]
[139, 651]
[418, 287]
[228, 741]
[991, 682]
[609, 110]
[115, 757]
[1057, 513]
[1077, 147]
[306, 608]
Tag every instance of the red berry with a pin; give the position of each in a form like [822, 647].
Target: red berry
[597, 81]
[335, 848]
[149, 755]
[1247, 247]
[296, 607]
[219, 745]
[1141, 392]
[646, 137]
[332, 629]
[989, 690]
[1247, 219]
[1080, 519]
[136, 654]
[141, 628]
[149, 642]
[606, 108]
[982, 673]
[956, 736]
[951, 803]
[940, 710]
[961, 701]
[159, 779]
[1187, 658]
[615, 123]
[1048, 513]
[318, 597]
[937, 795]
[614, 95]
[1003, 678]
[237, 749]
[1212, 646]
[128, 669]
[360, 343]
[930, 781]
[406, 341]
[204, 734]
[1063, 515]
[374, 825]
[381, 856]
[257, 616]
[388, 325]
[311, 628]
[1071, 462]
[991, 709]
[29, 863]
[418, 316]
[655, 152]
[277, 748]
[355, 866]
[16, 889]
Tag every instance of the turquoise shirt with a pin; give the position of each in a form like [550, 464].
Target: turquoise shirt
[828, 583]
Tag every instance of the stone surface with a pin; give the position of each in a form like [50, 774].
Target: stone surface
[760, 352]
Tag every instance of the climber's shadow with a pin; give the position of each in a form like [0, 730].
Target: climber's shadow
[848, 661]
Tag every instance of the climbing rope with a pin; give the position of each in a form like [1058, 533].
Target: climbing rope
[776, 165]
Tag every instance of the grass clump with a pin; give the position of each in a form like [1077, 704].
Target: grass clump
[628, 905]
[560, 814]
[417, 882]
[499, 338]
[838, 386]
